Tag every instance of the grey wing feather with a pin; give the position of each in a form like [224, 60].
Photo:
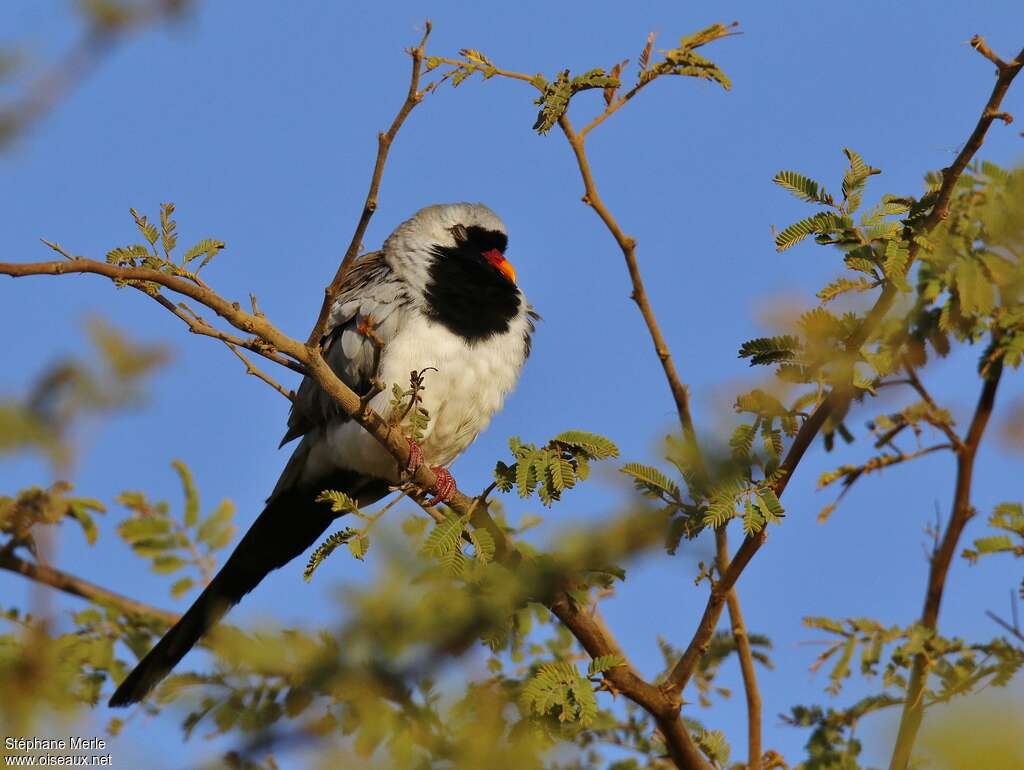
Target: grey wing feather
[370, 290]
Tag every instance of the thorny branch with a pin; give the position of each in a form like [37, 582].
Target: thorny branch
[384, 140]
[837, 397]
[913, 706]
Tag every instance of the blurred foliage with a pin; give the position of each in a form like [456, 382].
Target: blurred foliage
[40, 87]
[72, 388]
[171, 544]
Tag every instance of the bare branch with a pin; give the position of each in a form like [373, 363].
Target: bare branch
[916, 384]
[913, 706]
[76, 586]
[384, 140]
[1006, 625]
[746, 656]
[258, 373]
[680, 393]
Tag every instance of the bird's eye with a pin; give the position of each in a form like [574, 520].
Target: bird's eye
[459, 231]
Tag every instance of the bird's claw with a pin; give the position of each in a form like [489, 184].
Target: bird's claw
[444, 488]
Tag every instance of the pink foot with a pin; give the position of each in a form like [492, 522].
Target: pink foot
[445, 487]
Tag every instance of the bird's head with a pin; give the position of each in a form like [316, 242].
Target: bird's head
[466, 235]
[453, 255]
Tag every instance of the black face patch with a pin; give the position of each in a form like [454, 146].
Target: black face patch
[465, 293]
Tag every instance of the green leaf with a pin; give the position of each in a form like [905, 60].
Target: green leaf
[207, 248]
[803, 188]
[168, 229]
[841, 670]
[854, 179]
[445, 537]
[554, 102]
[742, 440]
[325, 549]
[770, 502]
[136, 528]
[603, 663]
[770, 350]
[824, 222]
[191, 493]
[594, 446]
[167, 563]
[148, 230]
[78, 509]
[841, 286]
[976, 292]
[181, 587]
[215, 530]
[358, 546]
[339, 501]
[650, 481]
[715, 746]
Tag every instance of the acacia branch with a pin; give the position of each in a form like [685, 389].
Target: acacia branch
[255, 371]
[597, 640]
[922, 391]
[837, 397]
[76, 586]
[746, 657]
[627, 244]
[384, 140]
[199, 325]
[913, 705]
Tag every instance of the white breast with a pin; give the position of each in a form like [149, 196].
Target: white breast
[469, 385]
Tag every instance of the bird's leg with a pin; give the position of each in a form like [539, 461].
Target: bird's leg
[444, 487]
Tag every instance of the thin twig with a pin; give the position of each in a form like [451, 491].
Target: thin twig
[627, 244]
[250, 368]
[1006, 624]
[916, 384]
[913, 706]
[384, 140]
[746, 656]
[198, 325]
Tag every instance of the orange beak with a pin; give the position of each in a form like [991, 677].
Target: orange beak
[502, 265]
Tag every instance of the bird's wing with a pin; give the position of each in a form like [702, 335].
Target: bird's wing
[370, 291]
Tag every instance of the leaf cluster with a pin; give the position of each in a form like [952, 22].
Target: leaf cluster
[170, 543]
[157, 253]
[554, 467]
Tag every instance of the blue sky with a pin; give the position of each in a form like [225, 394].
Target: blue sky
[259, 121]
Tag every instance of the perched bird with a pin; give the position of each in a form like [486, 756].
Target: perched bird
[441, 299]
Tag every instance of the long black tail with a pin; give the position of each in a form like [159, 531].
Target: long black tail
[291, 522]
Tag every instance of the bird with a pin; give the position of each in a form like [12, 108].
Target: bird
[439, 299]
